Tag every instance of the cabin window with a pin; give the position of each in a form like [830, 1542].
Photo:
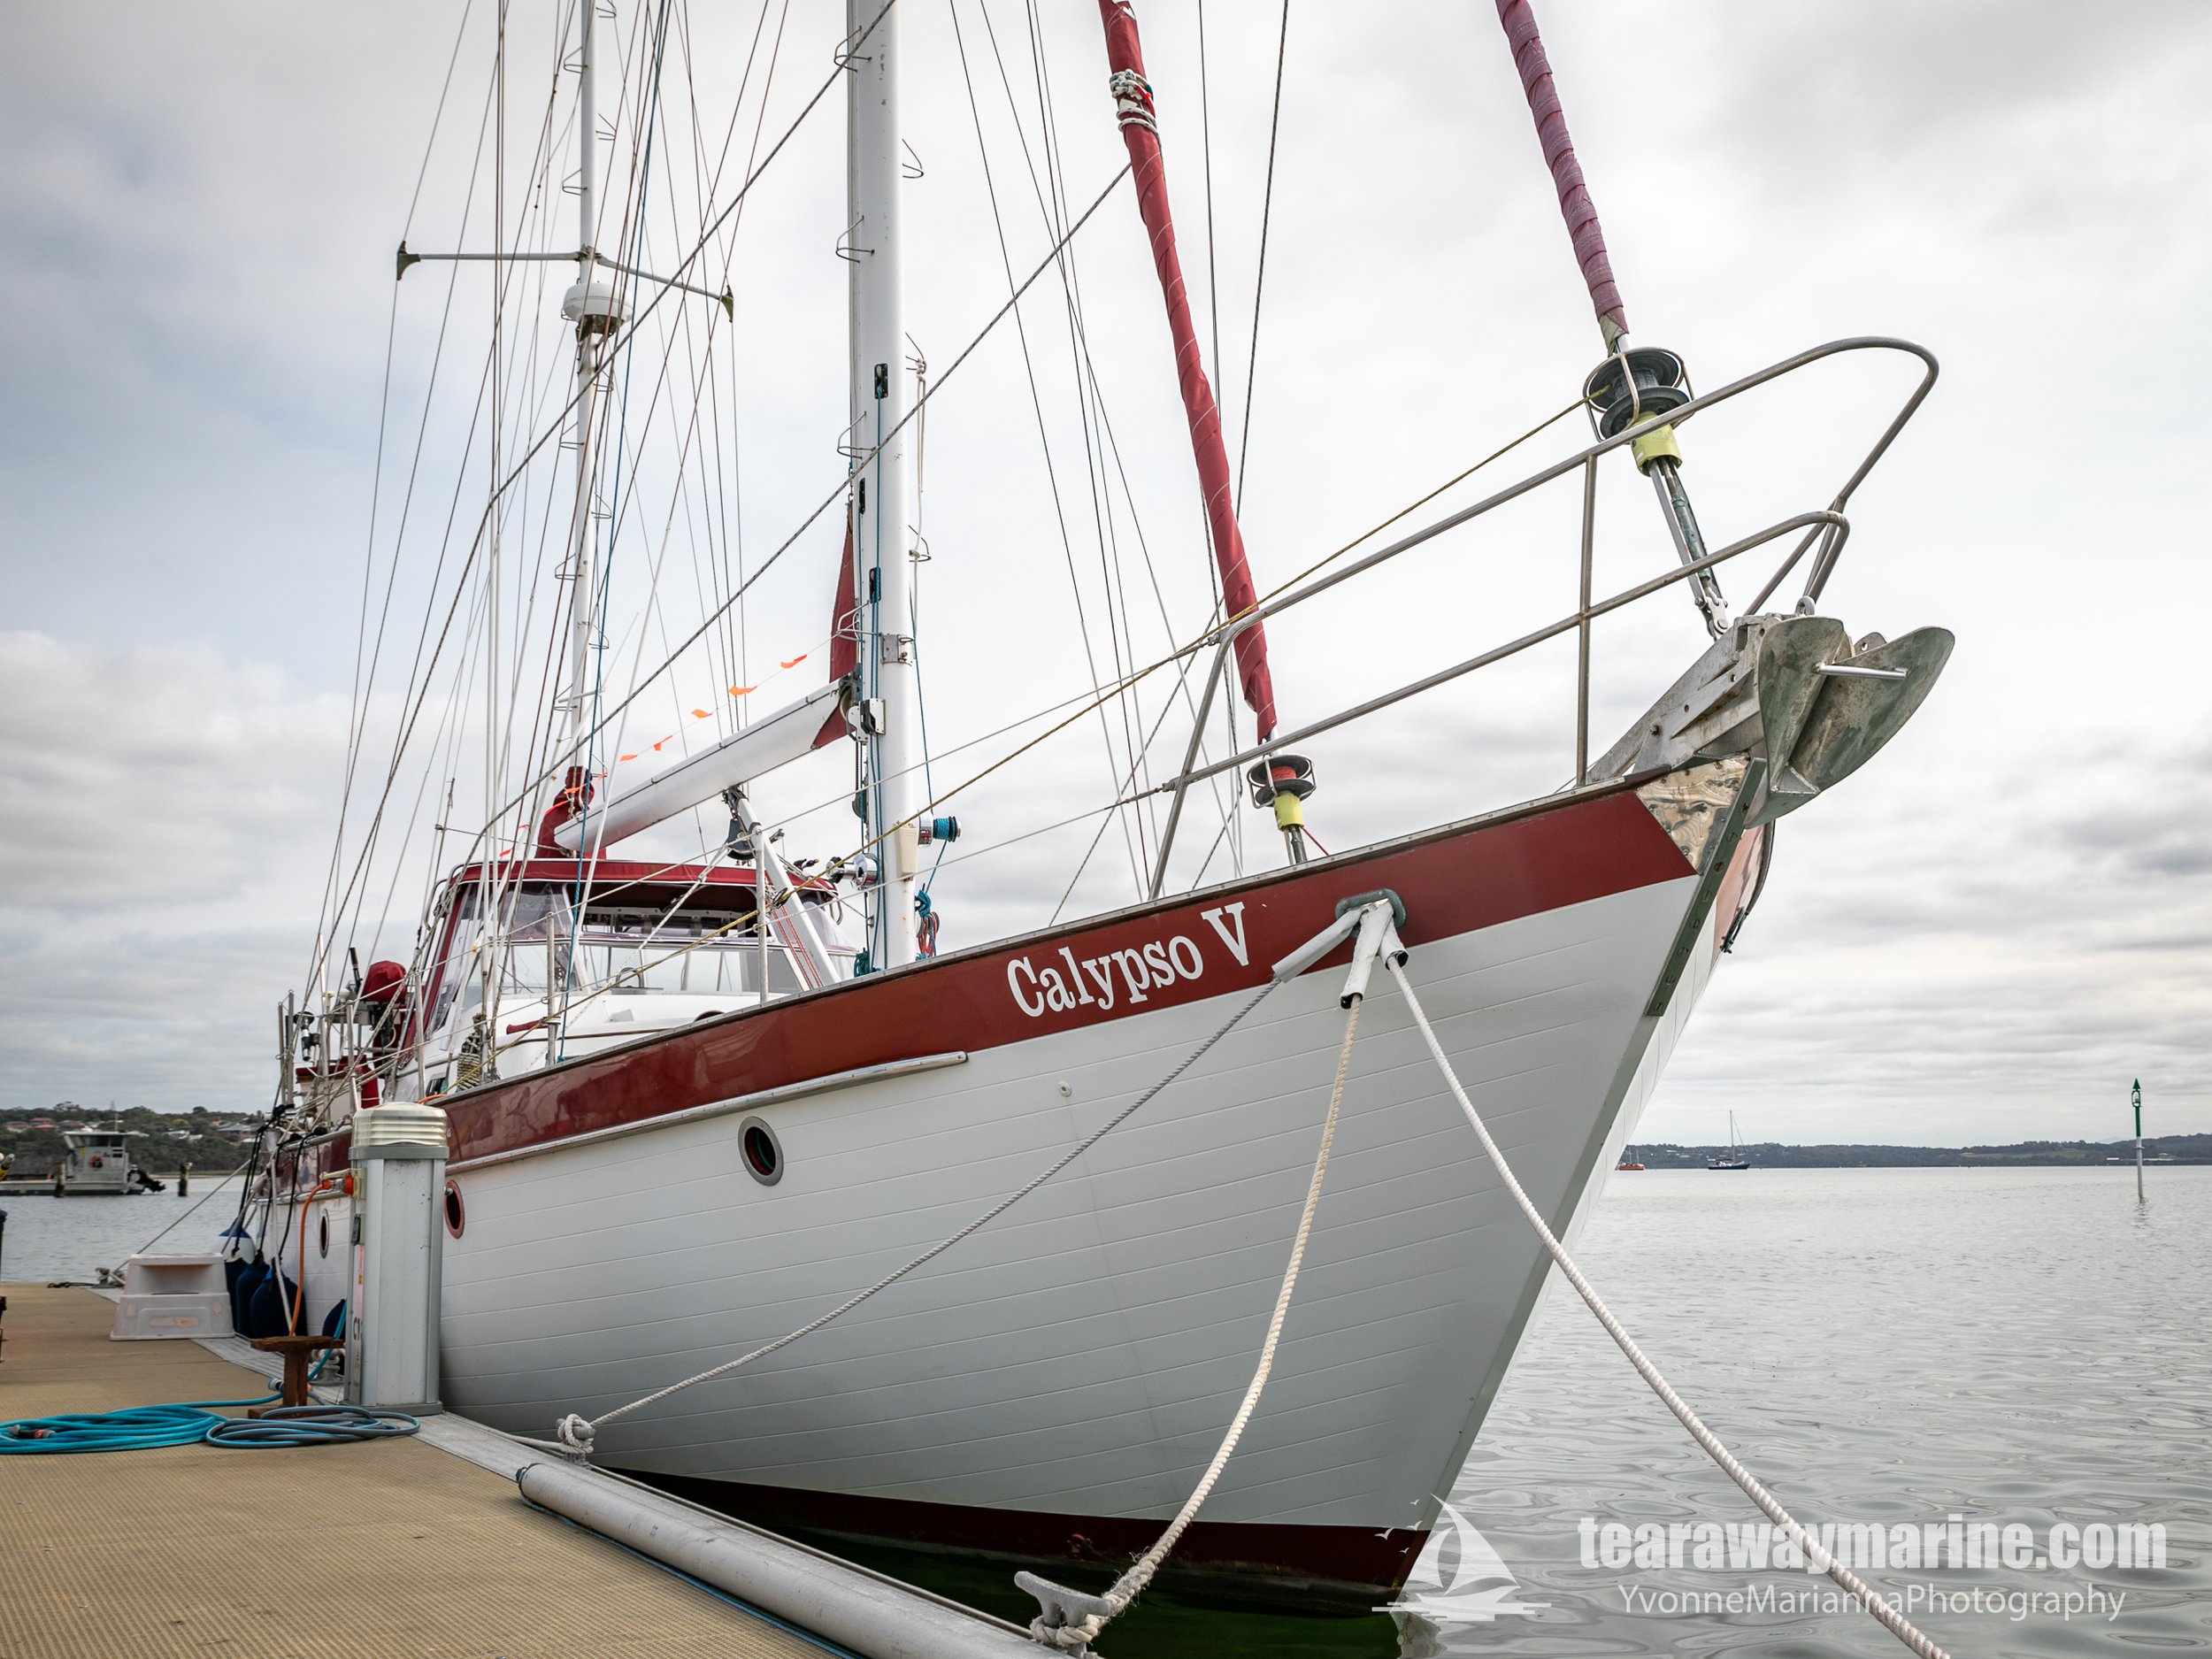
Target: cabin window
[455, 1218]
[454, 965]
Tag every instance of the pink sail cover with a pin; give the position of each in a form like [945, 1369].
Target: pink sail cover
[1575, 205]
[1132, 102]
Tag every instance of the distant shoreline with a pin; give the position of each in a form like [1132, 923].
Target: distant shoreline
[2164, 1150]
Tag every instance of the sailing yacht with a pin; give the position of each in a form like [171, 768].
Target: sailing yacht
[696, 1102]
[1733, 1158]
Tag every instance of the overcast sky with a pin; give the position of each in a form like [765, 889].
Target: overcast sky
[1982, 937]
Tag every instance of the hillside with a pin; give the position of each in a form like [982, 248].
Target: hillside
[160, 1141]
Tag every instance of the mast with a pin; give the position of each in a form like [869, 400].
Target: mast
[590, 305]
[594, 303]
[883, 492]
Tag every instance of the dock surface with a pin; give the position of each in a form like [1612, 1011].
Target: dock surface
[390, 1548]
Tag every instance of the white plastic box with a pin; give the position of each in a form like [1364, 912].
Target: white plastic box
[172, 1296]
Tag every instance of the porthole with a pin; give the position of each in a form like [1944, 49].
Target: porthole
[763, 1153]
[455, 1218]
[322, 1235]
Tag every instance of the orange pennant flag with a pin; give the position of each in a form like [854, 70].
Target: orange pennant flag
[698, 714]
[795, 661]
[623, 758]
[664, 742]
[744, 691]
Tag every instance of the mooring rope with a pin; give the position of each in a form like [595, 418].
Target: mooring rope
[1100, 1611]
[1868, 1597]
[574, 1434]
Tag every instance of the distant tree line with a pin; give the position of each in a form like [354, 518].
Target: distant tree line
[160, 1141]
[1659, 1155]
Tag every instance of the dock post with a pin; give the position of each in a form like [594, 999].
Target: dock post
[184, 1179]
[399, 1159]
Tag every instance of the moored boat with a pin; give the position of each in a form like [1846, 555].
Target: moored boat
[696, 1102]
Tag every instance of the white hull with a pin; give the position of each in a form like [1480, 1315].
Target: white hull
[1082, 1357]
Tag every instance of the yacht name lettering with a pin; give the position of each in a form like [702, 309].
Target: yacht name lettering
[1116, 977]
[1235, 940]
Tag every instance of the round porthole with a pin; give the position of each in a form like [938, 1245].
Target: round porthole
[454, 1219]
[763, 1153]
[322, 1235]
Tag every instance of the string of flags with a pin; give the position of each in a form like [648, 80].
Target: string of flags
[787, 664]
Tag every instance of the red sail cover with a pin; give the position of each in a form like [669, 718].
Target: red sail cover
[1133, 103]
[1575, 205]
[844, 636]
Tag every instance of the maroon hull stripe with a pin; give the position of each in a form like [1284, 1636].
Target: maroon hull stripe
[1453, 880]
[1355, 1567]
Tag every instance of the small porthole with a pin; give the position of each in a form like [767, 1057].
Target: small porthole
[763, 1153]
[322, 1235]
[454, 1219]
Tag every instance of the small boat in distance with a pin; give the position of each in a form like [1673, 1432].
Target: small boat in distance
[1628, 1159]
[1734, 1159]
[98, 1165]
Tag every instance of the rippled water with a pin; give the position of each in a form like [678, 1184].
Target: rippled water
[50, 1238]
[1893, 1345]
[1899, 1345]
[1878, 1345]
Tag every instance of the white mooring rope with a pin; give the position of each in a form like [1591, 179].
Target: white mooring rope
[1097, 1611]
[1866, 1595]
[575, 1433]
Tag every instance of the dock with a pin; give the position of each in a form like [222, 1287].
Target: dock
[418, 1547]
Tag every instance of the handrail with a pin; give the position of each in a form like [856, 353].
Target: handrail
[1830, 522]
[1829, 528]
[1676, 416]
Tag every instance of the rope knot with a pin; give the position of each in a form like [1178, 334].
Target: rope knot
[1068, 1619]
[575, 1434]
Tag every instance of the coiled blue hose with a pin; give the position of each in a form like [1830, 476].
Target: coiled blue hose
[188, 1423]
[309, 1425]
[185, 1423]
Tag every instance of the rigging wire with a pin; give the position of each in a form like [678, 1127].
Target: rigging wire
[552, 430]
[1059, 508]
[336, 906]
[1259, 282]
[365, 689]
[837, 495]
[1114, 588]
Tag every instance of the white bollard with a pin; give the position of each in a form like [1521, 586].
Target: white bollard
[399, 1157]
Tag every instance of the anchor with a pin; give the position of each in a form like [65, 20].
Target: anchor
[1795, 691]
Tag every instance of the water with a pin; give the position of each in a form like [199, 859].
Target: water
[1879, 1346]
[50, 1238]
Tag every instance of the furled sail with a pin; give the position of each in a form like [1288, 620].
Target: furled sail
[844, 637]
[1133, 108]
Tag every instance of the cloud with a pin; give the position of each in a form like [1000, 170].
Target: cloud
[2005, 978]
[1998, 918]
[160, 856]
